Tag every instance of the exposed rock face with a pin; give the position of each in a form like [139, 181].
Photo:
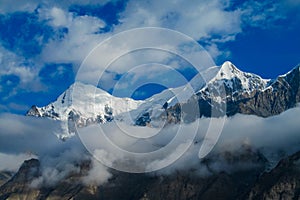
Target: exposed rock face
[18, 187]
[227, 92]
[21, 186]
[5, 176]
[282, 94]
[33, 111]
[189, 184]
[240, 93]
[262, 99]
[283, 182]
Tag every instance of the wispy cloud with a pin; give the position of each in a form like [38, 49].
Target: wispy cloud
[23, 137]
[54, 32]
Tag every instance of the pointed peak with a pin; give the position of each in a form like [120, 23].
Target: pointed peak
[33, 111]
[227, 63]
[228, 66]
[228, 71]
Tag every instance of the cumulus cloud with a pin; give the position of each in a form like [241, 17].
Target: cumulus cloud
[199, 20]
[74, 36]
[55, 168]
[203, 18]
[31, 5]
[164, 54]
[14, 65]
[22, 138]
[115, 145]
[98, 174]
[273, 137]
[261, 13]
[56, 16]
[138, 149]
[79, 40]
[211, 22]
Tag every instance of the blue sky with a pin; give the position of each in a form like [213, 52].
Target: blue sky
[43, 43]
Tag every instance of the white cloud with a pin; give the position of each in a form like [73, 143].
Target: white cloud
[261, 13]
[56, 16]
[80, 39]
[201, 20]
[211, 22]
[271, 136]
[7, 6]
[196, 19]
[97, 175]
[130, 52]
[12, 64]
[22, 138]
[208, 21]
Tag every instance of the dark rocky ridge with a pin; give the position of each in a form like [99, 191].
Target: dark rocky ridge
[280, 183]
[283, 182]
[280, 95]
[248, 183]
[225, 94]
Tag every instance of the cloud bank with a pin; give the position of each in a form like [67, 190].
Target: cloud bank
[25, 137]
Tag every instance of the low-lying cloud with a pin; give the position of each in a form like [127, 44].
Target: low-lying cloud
[24, 137]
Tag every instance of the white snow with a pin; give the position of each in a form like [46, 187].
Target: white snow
[89, 101]
[228, 74]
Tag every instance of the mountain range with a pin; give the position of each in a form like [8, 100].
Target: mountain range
[216, 92]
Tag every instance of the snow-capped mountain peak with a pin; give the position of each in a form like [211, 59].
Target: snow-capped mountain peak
[228, 71]
[235, 80]
[85, 104]
[242, 92]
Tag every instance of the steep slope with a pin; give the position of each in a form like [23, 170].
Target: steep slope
[187, 184]
[234, 82]
[283, 182]
[5, 176]
[240, 92]
[154, 107]
[223, 89]
[18, 187]
[281, 94]
[218, 91]
[85, 104]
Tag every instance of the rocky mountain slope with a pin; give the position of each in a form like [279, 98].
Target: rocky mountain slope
[84, 105]
[218, 91]
[249, 183]
[283, 182]
[232, 91]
